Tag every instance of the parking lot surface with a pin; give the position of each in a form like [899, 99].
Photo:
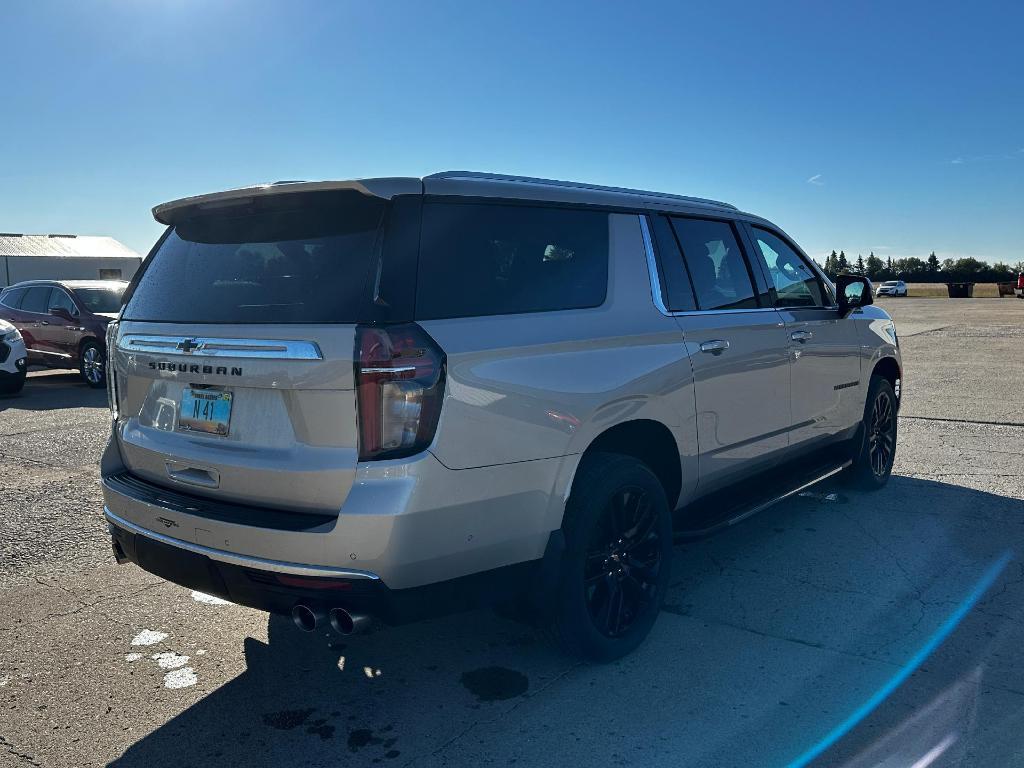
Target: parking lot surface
[852, 628]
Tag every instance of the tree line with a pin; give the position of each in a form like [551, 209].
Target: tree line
[930, 270]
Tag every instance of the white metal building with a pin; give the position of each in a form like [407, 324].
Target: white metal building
[64, 257]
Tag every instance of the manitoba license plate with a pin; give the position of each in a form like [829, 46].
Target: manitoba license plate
[205, 410]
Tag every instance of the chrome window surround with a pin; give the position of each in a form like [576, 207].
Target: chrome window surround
[656, 289]
[245, 561]
[206, 346]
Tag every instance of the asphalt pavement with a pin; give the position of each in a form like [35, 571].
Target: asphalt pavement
[858, 629]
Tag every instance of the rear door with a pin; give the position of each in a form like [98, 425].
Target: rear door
[827, 391]
[34, 321]
[234, 359]
[738, 351]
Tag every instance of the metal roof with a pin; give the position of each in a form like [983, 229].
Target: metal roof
[485, 176]
[63, 245]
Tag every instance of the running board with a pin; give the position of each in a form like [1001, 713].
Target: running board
[742, 514]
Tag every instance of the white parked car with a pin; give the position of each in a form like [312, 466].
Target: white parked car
[892, 288]
[12, 359]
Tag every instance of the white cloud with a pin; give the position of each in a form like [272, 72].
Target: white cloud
[816, 180]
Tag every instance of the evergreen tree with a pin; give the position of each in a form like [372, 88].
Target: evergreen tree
[842, 265]
[860, 264]
[888, 266]
[933, 264]
[830, 264]
[874, 266]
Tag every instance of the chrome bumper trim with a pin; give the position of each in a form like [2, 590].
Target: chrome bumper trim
[245, 561]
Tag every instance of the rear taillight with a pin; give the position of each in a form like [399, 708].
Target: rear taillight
[400, 386]
[111, 340]
[1020, 281]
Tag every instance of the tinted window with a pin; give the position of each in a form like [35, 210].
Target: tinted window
[497, 259]
[103, 300]
[795, 283]
[36, 299]
[12, 298]
[678, 290]
[717, 266]
[283, 259]
[60, 300]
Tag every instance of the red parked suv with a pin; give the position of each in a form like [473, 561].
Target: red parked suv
[64, 322]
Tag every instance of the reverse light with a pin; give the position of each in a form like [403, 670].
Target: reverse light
[400, 374]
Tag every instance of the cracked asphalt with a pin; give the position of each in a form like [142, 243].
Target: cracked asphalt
[880, 629]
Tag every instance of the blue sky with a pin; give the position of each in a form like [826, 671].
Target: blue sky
[856, 126]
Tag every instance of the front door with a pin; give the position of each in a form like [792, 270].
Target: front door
[827, 388]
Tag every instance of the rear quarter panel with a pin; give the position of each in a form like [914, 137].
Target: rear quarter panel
[544, 385]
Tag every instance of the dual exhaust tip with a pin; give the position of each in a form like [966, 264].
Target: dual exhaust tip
[344, 623]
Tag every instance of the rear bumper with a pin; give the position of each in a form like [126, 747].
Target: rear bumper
[273, 588]
[404, 524]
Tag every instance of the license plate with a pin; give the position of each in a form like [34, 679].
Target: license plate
[204, 410]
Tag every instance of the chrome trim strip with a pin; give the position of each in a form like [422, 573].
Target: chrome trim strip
[204, 346]
[652, 267]
[245, 561]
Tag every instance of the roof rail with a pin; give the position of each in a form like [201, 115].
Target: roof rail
[575, 185]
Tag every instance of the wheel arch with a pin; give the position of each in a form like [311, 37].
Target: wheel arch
[648, 441]
[889, 369]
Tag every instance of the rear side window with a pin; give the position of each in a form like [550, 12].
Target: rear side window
[297, 258]
[12, 298]
[718, 269]
[486, 259]
[795, 283]
[36, 300]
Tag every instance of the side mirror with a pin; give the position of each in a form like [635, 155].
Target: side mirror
[62, 313]
[853, 291]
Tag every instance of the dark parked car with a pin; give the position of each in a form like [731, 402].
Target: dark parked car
[64, 322]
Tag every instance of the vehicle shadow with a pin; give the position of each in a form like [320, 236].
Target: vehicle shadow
[54, 390]
[776, 634]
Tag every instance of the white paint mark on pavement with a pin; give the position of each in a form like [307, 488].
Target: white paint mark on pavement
[149, 637]
[169, 660]
[129, 657]
[180, 678]
[202, 597]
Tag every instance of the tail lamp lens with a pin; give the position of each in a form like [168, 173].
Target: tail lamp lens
[111, 342]
[400, 386]
[1020, 280]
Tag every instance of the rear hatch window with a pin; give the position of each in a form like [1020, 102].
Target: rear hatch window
[297, 258]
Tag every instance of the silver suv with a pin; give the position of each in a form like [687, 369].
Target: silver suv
[389, 398]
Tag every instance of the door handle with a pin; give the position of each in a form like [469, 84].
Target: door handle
[715, 347]
[801, 336]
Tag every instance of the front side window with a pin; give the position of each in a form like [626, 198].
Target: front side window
[37, 299]
[717, 266]
[795, 283]
[100, 300]
[486, 259]
[60, 300]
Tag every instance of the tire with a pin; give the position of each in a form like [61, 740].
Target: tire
[11, 385]
[876, 446]
[617, 560]
[93, 365]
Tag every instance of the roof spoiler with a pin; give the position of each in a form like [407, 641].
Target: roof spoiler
[386, 188]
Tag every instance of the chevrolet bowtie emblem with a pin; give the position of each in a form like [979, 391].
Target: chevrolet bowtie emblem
[188, 346]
